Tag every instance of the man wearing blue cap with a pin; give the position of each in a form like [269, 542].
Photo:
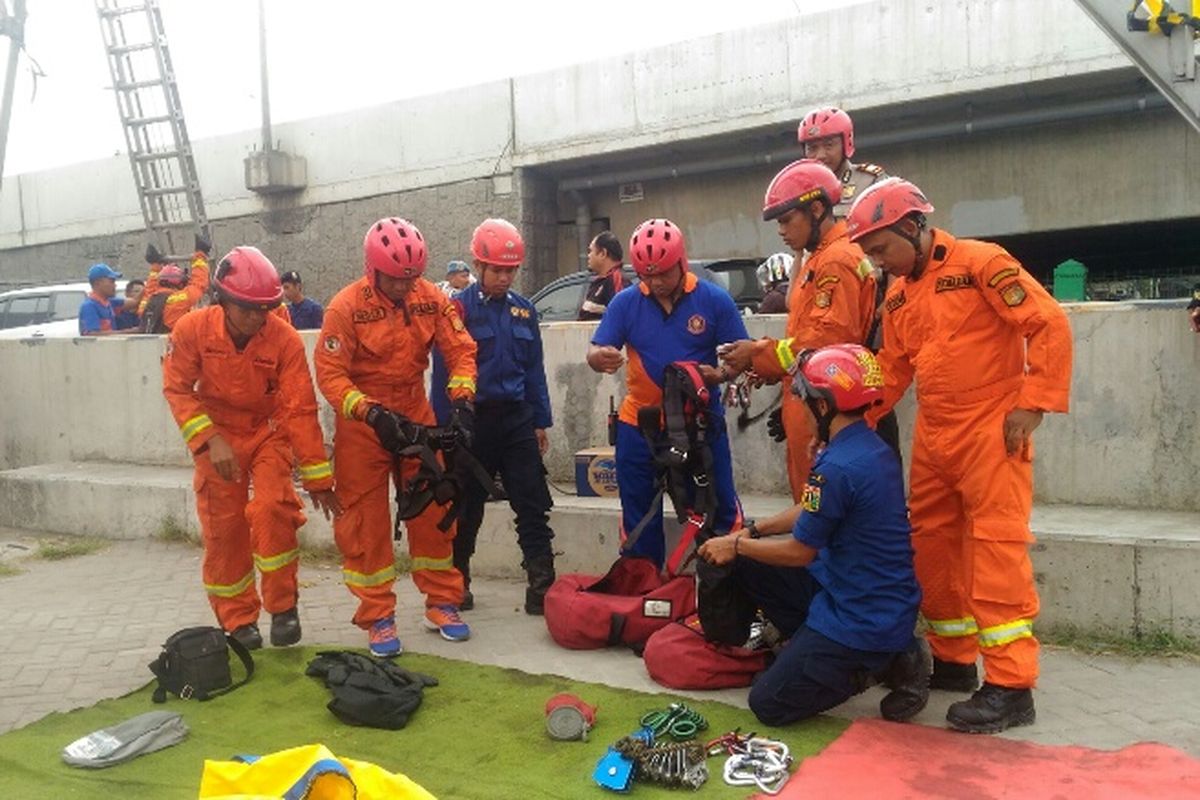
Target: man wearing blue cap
[458, 277]
[99, 309]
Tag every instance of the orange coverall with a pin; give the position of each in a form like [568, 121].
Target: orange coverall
[831, 301]
[179, 301]
[261, 401]
[372, 352]
[982, 337]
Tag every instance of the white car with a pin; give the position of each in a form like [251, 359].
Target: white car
[44, 311]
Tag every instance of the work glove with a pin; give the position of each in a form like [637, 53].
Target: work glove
[387, 428]
[775, 425]
[152, 255]
[462, 421]
[203, 245]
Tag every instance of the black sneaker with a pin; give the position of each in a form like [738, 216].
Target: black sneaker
[908, 678]
[992, 709]
[950, 677]
[285, 628]
[248, 636]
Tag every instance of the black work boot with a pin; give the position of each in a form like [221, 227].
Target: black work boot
[248, 636]
[541, 575]
[992, 709]
[950, 677]
[468, 599]
[285, 628]
[908, 678]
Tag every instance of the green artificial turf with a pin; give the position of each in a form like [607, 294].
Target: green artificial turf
[480, 734]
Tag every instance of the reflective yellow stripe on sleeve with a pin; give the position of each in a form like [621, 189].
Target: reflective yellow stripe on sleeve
[460, 382]
[194, 425]
[379, 578]
[350, 401]
[315, 472]
[435, 564]
[784, 354]
[1008, 632]
[273, 563]
[230, 589]
[951, 628]
[865, 268]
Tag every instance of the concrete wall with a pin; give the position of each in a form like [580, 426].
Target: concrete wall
[1131, 440]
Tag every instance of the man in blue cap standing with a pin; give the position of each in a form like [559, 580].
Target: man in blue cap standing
[99, 309]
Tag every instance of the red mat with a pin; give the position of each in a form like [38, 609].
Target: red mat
[878, 760]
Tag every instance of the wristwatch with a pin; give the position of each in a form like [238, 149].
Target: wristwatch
[752, 529]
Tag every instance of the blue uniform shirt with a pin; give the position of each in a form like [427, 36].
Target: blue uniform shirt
[856, 517]
[97, 315]
[306, 315]
[703, 317]
[509, 359]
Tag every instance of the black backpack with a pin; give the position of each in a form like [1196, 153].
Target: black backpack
[194, 664]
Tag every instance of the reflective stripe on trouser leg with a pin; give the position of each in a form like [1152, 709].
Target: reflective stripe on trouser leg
[227, 568]
[275, 516]
[432, 552]
[951, 628]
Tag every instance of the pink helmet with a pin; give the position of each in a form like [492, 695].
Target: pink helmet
[884, 204]
[246, 277]
[172, 276]
[656, 246]
[499, 243]
[394, 247]
[846, 376]
[798, 184]
[828, 121]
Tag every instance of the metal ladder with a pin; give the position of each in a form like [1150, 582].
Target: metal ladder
[164, 169]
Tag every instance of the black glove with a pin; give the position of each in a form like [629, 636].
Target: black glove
[152, 255]
[775, 425]
[387, 428]
[462, 421]
[203, 244]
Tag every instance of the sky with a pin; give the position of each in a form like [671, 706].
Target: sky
[327, 56]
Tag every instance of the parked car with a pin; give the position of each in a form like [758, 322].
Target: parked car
[559, 300]
[44, 311]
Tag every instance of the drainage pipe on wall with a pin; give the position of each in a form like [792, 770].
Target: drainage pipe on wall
[583, 226]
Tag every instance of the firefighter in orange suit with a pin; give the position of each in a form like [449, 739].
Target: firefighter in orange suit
[239, 387]
[830, 302]
[170, 292]
[371, 359]
[991, 353]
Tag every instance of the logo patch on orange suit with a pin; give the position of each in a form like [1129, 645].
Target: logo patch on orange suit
[810, 498]
[1013, 294]
[332, 344]
[823, 299]
[696, 324]
[422, 308]
[895, 301]
[948, 283]
[365, 315]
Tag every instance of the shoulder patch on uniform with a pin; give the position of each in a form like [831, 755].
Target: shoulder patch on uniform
[816, 478]
[827, 281]
[1013, 294]
[1004, 274]
[823, 299]
[810, 498]
[518, 312]
[848, 191]
[332, 344]
[895, 301]
[949, 283]
[871, 169]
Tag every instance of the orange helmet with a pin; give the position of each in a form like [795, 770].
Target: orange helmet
[829, 121]
[499, 243]
[884, 204]
[248, 278]
[655, 246]
[172, 276]
[846, 376]
[798, 184]
[394, 247]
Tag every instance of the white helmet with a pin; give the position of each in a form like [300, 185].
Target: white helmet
[775, 269]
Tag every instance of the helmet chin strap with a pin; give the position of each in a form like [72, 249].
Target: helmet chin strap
[824, 421]
[814, 236]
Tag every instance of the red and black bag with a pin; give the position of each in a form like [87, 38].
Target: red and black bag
[679, 656]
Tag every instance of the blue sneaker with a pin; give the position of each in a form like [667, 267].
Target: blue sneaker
[446, 621]
[384, 642]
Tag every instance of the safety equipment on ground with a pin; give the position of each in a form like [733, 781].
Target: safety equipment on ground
[153, 256]
[754, 761]
[846, 376]
[394, 247]
[499, 243]
[568, 718]
[680, 656]
[247, 278]
[172, 276]
[310, 771]
[776, 269]
[126, 740]
[194, 663]
[822, 122]
[798, 185]
[677, 721]
[884, 204]
[775, 425]
[675, 764]
[656, 246]
[615, 770]
[370, 692]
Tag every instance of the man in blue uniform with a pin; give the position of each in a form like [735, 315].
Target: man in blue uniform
[98, 312]
[841, 588]
[512, 408]
[670, 316]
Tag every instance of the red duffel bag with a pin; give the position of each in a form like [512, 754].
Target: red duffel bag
[624, 607]
[679, 657]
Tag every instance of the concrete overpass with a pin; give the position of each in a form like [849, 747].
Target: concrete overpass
[1018, 117]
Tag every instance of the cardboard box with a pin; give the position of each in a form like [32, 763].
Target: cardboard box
[596, 472]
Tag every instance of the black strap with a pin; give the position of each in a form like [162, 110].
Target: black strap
[247, 662]
[616, 627]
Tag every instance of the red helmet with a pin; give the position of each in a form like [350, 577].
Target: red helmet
[172, 276]
[246, 277]
[394, 247]
[499, 243]
[830, 121]
[884, 204]
[798, 184]
[656, 246]
[847, 376]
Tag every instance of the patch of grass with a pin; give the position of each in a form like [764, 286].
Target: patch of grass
[325, 555]
[1147, 644]
[58, 549]
[170, 530]
[8, 570]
